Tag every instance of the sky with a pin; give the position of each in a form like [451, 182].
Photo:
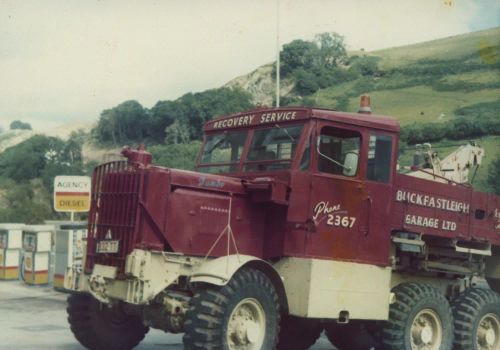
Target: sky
[65, 61]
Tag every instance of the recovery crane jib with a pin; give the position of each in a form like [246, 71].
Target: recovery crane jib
[454, 168]
[294, 221]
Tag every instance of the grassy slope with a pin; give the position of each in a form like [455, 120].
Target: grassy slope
[446, 48]
[423, 104]
[406, 104]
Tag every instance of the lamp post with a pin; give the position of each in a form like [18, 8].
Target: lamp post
[277, 53]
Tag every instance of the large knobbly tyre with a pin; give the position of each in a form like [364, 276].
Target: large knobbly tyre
[421, 318]
[351, 336]
[243, 314]
[298, 333]
[477, 320]
[98, 327]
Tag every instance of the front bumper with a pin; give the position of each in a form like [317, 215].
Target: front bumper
[148, 273]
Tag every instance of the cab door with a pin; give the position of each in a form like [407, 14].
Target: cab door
[379, 170]
[337, 194]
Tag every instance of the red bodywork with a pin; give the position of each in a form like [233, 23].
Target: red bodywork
[293, 212]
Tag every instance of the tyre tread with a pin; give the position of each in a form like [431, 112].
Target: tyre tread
[90, 335]
[465, 314]
[204, 317]
[408, 295]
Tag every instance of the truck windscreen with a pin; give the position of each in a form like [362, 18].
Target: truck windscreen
[271, 149]
[224, 150]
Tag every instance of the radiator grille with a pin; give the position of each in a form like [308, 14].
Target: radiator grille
[113, 215]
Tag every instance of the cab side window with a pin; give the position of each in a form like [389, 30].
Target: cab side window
[379, 158]
[338, 151]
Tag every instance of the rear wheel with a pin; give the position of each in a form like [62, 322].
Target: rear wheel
[351, 336]
[97, 326]
[297, 333]
[477, 320]
[420, 319]
[242, 315]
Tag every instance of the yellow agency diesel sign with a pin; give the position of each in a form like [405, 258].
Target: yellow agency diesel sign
[72, 193]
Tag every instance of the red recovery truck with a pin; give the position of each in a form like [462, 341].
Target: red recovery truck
[296, 220]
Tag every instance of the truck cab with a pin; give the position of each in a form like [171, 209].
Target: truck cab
[338, 169]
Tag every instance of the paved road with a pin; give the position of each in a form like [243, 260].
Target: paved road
[35, 318]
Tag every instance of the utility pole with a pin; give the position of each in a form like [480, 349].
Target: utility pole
[277, 53]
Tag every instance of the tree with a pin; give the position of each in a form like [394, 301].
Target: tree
[127, 122]
[41, 156]
[332, 50]
[192, 110]
[163, 115]
[27, 203]
[176, 133]
[26, 160]
[19, 125]
[298, 54]
[315, 64]
[305, 82]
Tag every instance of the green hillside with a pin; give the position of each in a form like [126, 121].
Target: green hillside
[446, 48]
[425, 82]
[413, 104]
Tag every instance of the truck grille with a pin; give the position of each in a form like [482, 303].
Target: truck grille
[113, 213]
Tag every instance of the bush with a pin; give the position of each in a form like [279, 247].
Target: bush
[19, 125]
[305, 82]
[180, 156]
[365, 65]
[27, 203]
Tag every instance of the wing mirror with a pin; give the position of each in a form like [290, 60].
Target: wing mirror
[350, 164]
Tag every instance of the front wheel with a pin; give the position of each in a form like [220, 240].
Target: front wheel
[477, 320]
[97, 326]
[420, 319]
[242, 315]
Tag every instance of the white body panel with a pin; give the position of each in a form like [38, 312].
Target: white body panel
[325, 288]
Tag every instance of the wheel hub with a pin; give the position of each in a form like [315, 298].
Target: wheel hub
[426, 331]
[490, 337]
[252, 332]
[246, 327]
[488, 332]
[426, 335]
